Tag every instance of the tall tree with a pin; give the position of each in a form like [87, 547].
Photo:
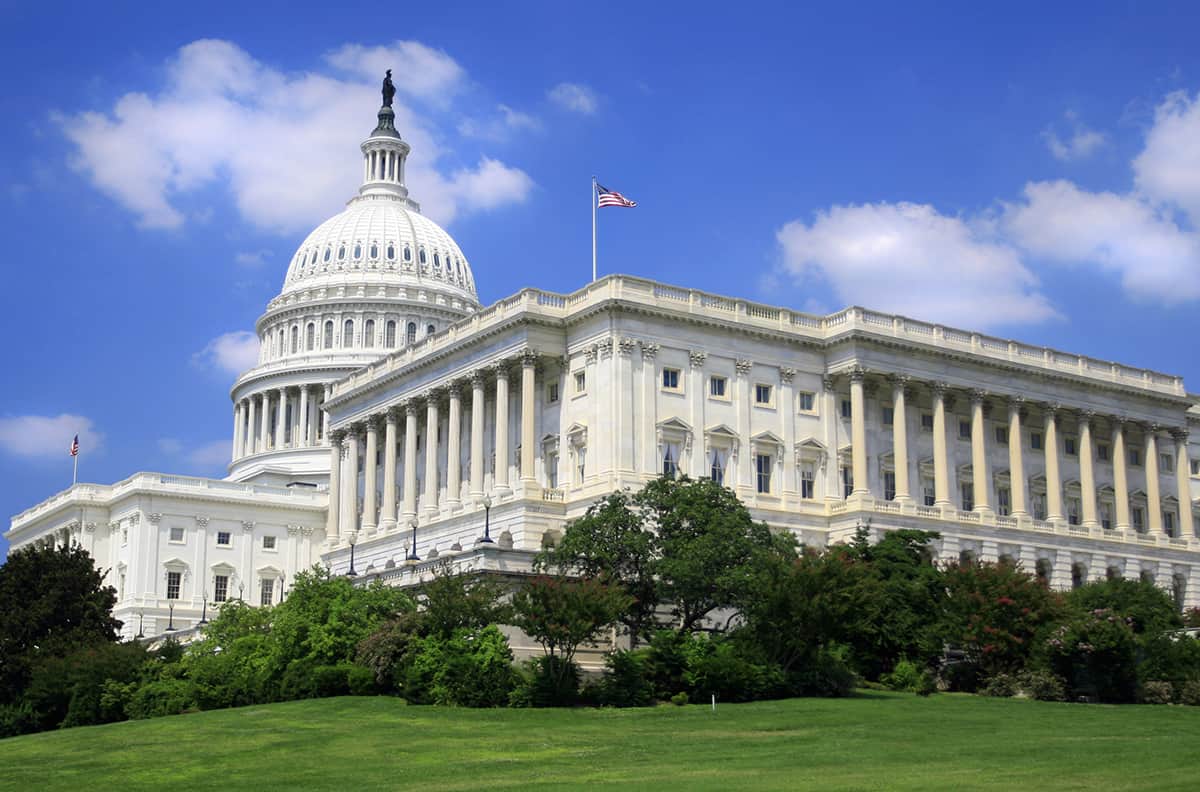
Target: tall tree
[52, 601]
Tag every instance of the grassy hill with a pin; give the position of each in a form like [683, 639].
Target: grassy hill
[873, 741]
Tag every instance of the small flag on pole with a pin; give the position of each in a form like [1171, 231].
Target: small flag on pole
[612, 198]
[75, 446]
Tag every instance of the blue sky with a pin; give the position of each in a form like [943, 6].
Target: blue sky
[1031, 171]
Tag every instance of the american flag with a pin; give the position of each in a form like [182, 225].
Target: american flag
[613, 198]
[75, 446]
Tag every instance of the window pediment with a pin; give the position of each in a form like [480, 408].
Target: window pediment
[721, 436]
[577, 435]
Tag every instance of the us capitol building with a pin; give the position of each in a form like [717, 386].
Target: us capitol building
[394, 423]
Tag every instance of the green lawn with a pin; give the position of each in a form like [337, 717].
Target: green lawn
[872, 741]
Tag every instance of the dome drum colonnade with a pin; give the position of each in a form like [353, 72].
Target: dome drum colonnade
[398, 503]
[1052, 414]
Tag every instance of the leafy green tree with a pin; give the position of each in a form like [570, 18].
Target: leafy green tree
[450, 602]
[52, 602]
[1096, 653]
[1149, 608]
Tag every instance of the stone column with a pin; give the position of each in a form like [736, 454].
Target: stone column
[1016, 461]
[528, 417]
[980, 475]
[237, 430]
[431, 454]
[349, 512]
[265, 428]
[325, 415]
[1183, 472]
[387, 515]
[303, 422]
[1153, 494]
[281, 420]
[500, 479]
[248, 446]
[477, 384]
[648, 460]
[941, 474]
[900, 438]
[1054, 509]
[335, 491]
[1120, 458]
[410, 462]
[858, 433]
[369, 520]
[454, 449]
[1087, 475]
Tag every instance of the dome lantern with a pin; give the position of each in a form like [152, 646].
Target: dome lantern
[384, 155]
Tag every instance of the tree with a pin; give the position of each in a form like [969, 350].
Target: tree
[1149, 608]
[451, 602]
[52, 602]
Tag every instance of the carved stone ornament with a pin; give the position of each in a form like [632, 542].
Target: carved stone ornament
[247, 525]
[89, 527]
[529, 358]
[589, 354]
[478, 379]
[743, 366]
[649, 350]
[786, 374]
[605, 347]
[202, 520]
[154, 517]
[697, 357]
[625, 346]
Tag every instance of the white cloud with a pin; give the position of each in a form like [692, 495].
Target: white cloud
[48, 437]
[204, 459]
[252, 258]
[283, 144]
[1080, 145]
[1121, 234]
[910, 259]
[1168, 168]
[500, 126]
[490, 184]
[575, 97]
[231, 353]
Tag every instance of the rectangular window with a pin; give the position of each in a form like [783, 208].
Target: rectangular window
[929, 495]
[1135, 457]
[1102, 452]
[889, 416]
[1106, 516]
[1069, 447]
[268, 543]
[670, 378]
[580, 381]
[889, 485]
[847, 481]
[220, 588]
[808, 482]
[173, 581]
[1166, 463]
[1139, 518]
[1003, 501]
[267, 596]
[1002, 435]
[223, 538]
[762, 394]
[1073, 511]
[1196, 467]
[716, 470]
[964, 430]
[847, 408]
[716, 387]
[926, 422]
[670, 460]
[176, 534]
[552, 393]
[1169, 522]
[967, 490]
[808, 401]
[762, 472]
[580, 464]
[1035, 441]
[1039, 507]
[552, 471]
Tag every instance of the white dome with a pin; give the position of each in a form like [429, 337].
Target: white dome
[385, 237]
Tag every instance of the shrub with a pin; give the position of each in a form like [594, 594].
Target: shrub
[828, 675]
[679, 699]
[548, 681]
[625, 683]
[927, 685]
[1095, 653]
[725, 668]
[1000, 686]
[1189, 693]
[1173, 658]
[162, 697]
[1157, 692]
[471, 668]
[1041, 686]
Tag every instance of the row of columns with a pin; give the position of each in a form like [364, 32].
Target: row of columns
[979, 458]
[344, 454]
[253, 432]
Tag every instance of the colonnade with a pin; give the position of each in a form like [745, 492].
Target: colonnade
[355, 448]
[1052, 418]
[304, 425]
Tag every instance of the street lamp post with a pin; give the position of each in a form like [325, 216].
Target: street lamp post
[141, 624]
[204, 610]
[282, 586]
[351, 572]
[171, 617]
[487, 521]
[412, 555]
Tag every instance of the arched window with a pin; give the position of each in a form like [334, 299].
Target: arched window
[407, 253]
[328, 335]
[310, 334]
[421, 255]
[391, 252]
[437, 261]
[295, 339]
[374, 251]
[390, 337]
[328, 253]
[279, 346]
[411, 334]
[341, 253]
[347, 333]
[430, 330]
[358, 251]
[369, 333]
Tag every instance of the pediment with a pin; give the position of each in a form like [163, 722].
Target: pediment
[674, 425]
[721, 430]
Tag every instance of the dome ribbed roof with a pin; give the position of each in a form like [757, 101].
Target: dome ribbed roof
[381, 235]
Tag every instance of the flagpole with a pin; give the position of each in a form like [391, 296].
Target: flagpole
[593, 229]
[75, 471]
